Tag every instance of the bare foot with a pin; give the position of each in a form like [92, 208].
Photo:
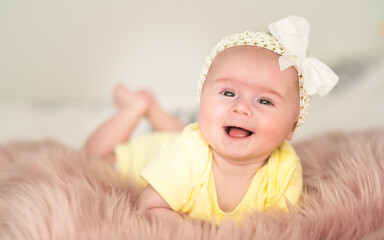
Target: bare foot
[159, 118]
[151, 100]
[126, 99]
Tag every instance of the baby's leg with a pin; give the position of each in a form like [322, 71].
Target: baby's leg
[159, 118]
[131, 107]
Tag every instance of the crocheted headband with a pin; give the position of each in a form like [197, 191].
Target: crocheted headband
[289, 38]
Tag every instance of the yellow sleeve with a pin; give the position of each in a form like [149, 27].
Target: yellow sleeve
[132, 157]
[174, 171]
[288, 178]
[130, 160]
[292, 187]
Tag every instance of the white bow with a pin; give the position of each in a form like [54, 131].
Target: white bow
[293, 32]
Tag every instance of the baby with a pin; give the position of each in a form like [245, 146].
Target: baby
[254, 93]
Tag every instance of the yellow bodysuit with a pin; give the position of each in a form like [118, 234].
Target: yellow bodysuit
[180, 170]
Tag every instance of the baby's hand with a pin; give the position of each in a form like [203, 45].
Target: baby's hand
[155, 206]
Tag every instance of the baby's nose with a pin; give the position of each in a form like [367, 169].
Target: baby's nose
[243, 107]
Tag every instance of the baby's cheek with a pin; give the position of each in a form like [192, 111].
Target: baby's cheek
[275, 127]
[208, 114]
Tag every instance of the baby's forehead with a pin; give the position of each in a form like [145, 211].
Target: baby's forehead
[247, 50]
[242, 64]
[245, 57]
[241, 56]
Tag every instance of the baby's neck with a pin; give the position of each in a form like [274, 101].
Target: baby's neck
[235, 168]
[232, 177]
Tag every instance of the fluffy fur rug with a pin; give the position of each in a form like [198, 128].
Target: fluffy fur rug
[48, 191]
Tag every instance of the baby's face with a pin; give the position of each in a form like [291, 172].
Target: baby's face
[248, 106]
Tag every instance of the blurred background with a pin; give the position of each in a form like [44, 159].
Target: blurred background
[59, 60]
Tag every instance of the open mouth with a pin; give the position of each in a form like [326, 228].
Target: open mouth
[237, 132]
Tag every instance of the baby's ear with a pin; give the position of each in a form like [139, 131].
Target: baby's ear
[290, 134]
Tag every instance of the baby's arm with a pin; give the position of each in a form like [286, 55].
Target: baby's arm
[155, 206]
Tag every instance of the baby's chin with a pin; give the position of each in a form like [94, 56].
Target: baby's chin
[237, 155]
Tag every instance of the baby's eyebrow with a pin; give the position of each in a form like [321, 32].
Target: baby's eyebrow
[222, 80]
[271, 91]
[263, 88]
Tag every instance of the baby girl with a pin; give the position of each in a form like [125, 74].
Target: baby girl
[254, 92]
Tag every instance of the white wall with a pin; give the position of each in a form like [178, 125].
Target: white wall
[77, 50]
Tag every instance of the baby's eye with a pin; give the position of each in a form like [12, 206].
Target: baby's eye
[264, 101]
[228, 94]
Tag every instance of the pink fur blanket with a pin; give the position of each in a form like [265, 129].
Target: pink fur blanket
[48, 191]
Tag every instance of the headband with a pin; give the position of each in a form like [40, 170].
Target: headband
[289, 38]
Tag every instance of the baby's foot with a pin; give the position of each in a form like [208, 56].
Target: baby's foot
[126, 99]
[150, 98]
